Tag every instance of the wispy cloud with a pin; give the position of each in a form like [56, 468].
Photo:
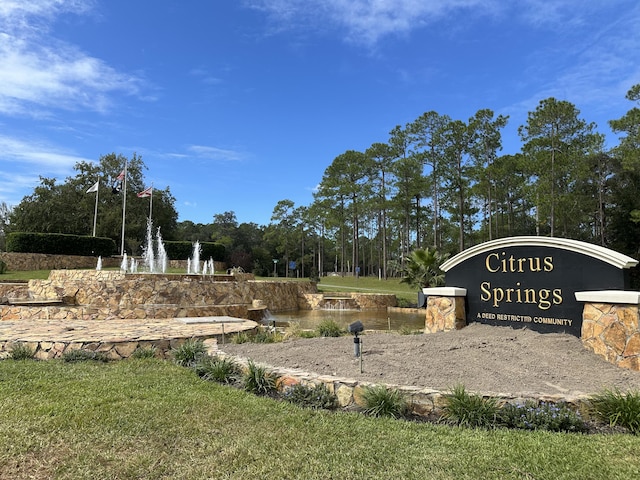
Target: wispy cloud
[30, 159]
[39, 73]
[215, 153]
[366, 22]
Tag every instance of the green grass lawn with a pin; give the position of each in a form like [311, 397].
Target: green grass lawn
[148, 419]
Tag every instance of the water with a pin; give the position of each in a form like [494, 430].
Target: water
[99, 264]
[162, 260]
[371, 319]
[194, 261]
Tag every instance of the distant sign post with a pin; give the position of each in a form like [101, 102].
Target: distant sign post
[275, 263]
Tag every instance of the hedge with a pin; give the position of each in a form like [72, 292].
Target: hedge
[60, 244]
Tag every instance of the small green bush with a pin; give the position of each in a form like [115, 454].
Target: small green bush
[543, 416]
[307, 334]
[618, 409]
[258, 380]
[189, 352]
[470, 410]
[329, 328]
[72, 356]
[380, 401]
[216, 369]
[265, 336]
[20, 351]
[3, 267]
[144, 352]
[240, 337]
[316, 397]
[406, 330]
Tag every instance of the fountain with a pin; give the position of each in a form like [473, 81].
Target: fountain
[124, 265]
[99, 264]
[194, 262]
[162, 253]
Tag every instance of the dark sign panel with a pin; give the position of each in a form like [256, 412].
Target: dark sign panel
[531, 281]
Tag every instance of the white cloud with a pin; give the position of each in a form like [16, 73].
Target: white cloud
[214, 153]
[48, 158]
[39, 73]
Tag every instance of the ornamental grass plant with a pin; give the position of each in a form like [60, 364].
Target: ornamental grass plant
[317, 397]
[221, 370]
[21, 351]
[188, 354]
[618, 408]
[381, 401]
[470, 410]
[259, 380]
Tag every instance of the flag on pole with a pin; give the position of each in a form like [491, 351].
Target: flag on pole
[146, 193]
[121, 176]
[94, 188]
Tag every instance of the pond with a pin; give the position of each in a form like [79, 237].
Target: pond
[371, 319]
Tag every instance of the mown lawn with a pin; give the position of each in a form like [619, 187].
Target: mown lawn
[150, 419]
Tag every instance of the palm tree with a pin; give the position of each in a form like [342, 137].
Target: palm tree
[422, 268]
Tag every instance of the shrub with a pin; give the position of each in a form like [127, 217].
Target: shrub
[240, 337]
[144, 352]
[189, 352]
[265, 336]
[380, 401]
[221, 370]
[3, 267]
[543, 416]
[259, 380]
[329, 328]
[406, 330]
[21, 351]
[316, 397]
[308, 334]
[469, 410]
[72, 356]
[618, 409]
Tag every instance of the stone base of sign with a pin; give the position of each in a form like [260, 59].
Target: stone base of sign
[611, 326]
[445, 309]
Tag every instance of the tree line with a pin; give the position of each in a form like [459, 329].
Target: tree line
[437, 182]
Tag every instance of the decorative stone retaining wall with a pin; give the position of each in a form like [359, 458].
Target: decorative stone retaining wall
[360, 301]
[424, 402]
[113, 294]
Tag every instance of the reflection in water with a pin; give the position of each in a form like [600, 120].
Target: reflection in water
[371, 319]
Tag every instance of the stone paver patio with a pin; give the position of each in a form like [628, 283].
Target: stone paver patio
[117, 338]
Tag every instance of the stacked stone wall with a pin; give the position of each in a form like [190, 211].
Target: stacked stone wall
[20, 262]
[361, 301]
[113, 294]
[612, 332]
[444, 314]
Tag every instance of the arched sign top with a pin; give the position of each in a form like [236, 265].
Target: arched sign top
[600, 253]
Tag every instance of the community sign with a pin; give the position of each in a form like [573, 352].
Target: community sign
[531, 281]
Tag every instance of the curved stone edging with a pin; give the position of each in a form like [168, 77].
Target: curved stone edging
[423, 401]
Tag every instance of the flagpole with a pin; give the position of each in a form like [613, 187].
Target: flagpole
[124, 205]
[151, 203]
[95, 211]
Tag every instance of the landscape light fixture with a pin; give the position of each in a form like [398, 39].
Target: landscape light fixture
[356, 328]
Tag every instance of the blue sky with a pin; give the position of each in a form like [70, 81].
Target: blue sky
[235, 105]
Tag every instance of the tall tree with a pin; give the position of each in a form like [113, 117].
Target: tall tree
[556, 141]
[427, 137]
[381, 156]
[457, 149]
[485, 142]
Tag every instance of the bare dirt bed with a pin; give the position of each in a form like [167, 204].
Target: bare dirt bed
[483, 358]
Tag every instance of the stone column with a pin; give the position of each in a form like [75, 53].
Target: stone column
[445, 309]
[610, 326]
